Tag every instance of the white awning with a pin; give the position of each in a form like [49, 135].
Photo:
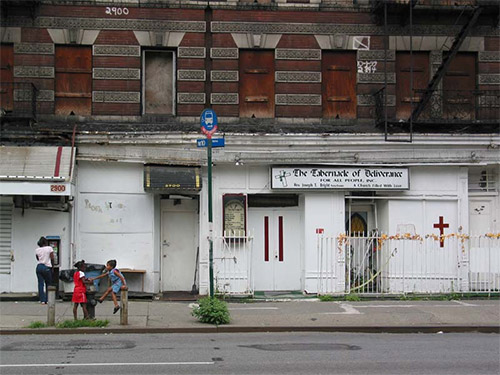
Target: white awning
[35, 170]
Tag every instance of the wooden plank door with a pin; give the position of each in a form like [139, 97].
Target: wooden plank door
[404, 70]
[459, 84]
[256, 84]
[6, 77]
[73, 80]
[339, 84]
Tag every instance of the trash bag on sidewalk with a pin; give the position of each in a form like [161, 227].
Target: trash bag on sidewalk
[66, 275]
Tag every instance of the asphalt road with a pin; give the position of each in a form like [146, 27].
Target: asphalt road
[252, 353]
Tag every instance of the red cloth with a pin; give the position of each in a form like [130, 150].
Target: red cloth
[80, 290]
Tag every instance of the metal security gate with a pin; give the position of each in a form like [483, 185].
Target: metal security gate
[399, 264]
[5, 237]
[233, 264]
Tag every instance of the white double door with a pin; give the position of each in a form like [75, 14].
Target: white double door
[179, 243]
[276, 256]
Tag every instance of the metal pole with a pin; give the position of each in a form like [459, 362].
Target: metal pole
[124, 307]
[210, 219]
[51, 304]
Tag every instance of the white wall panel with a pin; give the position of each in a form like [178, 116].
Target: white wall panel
[28, 227]
[112, 213]
[110, 177]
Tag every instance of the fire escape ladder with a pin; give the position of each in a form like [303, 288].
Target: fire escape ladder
[445, 64]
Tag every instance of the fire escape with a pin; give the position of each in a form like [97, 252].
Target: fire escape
[432, 107]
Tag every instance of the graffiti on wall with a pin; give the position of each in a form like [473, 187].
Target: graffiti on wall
[367, 66]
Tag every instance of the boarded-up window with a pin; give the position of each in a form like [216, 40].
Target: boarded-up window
[459, 83]
[408, 66]
[256, 84]
[158, 82]
[73, 80]
[6, 76]
[339, 84]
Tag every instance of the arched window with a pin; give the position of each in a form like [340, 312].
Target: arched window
[358, 225]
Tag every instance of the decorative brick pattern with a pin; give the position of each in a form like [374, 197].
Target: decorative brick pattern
[33, 72]
[369, 100]
[297, 54]
[298, 99]
[190, 98]
[116, 97]
[191, 52]
[489, 79]
[343, 29]
[191, 75]
[34, 48]
[376, 77]
[224, 98]
[436, 57]
[224, 53]
[376, 55]
[296, 76]
[489, 56]
[224, 75]
[104, 50]
[116, 73]
[41, 95]
[489, 101]
[114, 24]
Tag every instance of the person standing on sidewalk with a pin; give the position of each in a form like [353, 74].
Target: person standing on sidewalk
[45, 256]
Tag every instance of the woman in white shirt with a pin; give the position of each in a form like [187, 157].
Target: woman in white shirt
[44, 255]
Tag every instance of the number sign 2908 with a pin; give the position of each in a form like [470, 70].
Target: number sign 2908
[116, 11]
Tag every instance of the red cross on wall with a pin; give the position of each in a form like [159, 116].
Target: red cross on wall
[441, 225]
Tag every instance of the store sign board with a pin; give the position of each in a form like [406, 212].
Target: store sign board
[355, 178]
[167, 178]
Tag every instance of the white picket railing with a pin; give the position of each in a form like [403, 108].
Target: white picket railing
[233, 263]
[484, 264]
[382, 264]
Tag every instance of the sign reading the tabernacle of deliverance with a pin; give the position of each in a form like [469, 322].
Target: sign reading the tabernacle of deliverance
[363, 178]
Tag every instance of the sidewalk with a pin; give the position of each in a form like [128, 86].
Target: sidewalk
[295, 315]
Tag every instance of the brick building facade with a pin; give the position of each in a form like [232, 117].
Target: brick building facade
[364, 83]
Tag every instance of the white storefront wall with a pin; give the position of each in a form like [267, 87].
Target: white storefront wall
[317, 210]
[116, 220]
[434, 192]
[28, 226]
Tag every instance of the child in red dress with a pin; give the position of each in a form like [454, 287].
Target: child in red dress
[80, 290]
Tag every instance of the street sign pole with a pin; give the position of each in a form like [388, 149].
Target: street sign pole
[208, 120]
[210, 217]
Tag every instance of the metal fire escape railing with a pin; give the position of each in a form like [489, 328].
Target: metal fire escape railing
[433, 84]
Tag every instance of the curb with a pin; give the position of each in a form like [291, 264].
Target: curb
[258, 329]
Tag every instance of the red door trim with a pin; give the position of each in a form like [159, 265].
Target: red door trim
[266, 238]
[280, 229]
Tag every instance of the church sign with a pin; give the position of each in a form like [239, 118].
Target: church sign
[355, 178]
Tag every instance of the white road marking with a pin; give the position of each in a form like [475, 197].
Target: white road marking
[386, 306]
[422, 306]
[108, 364]
[463, 303]
[254, 308]
[348, 310]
